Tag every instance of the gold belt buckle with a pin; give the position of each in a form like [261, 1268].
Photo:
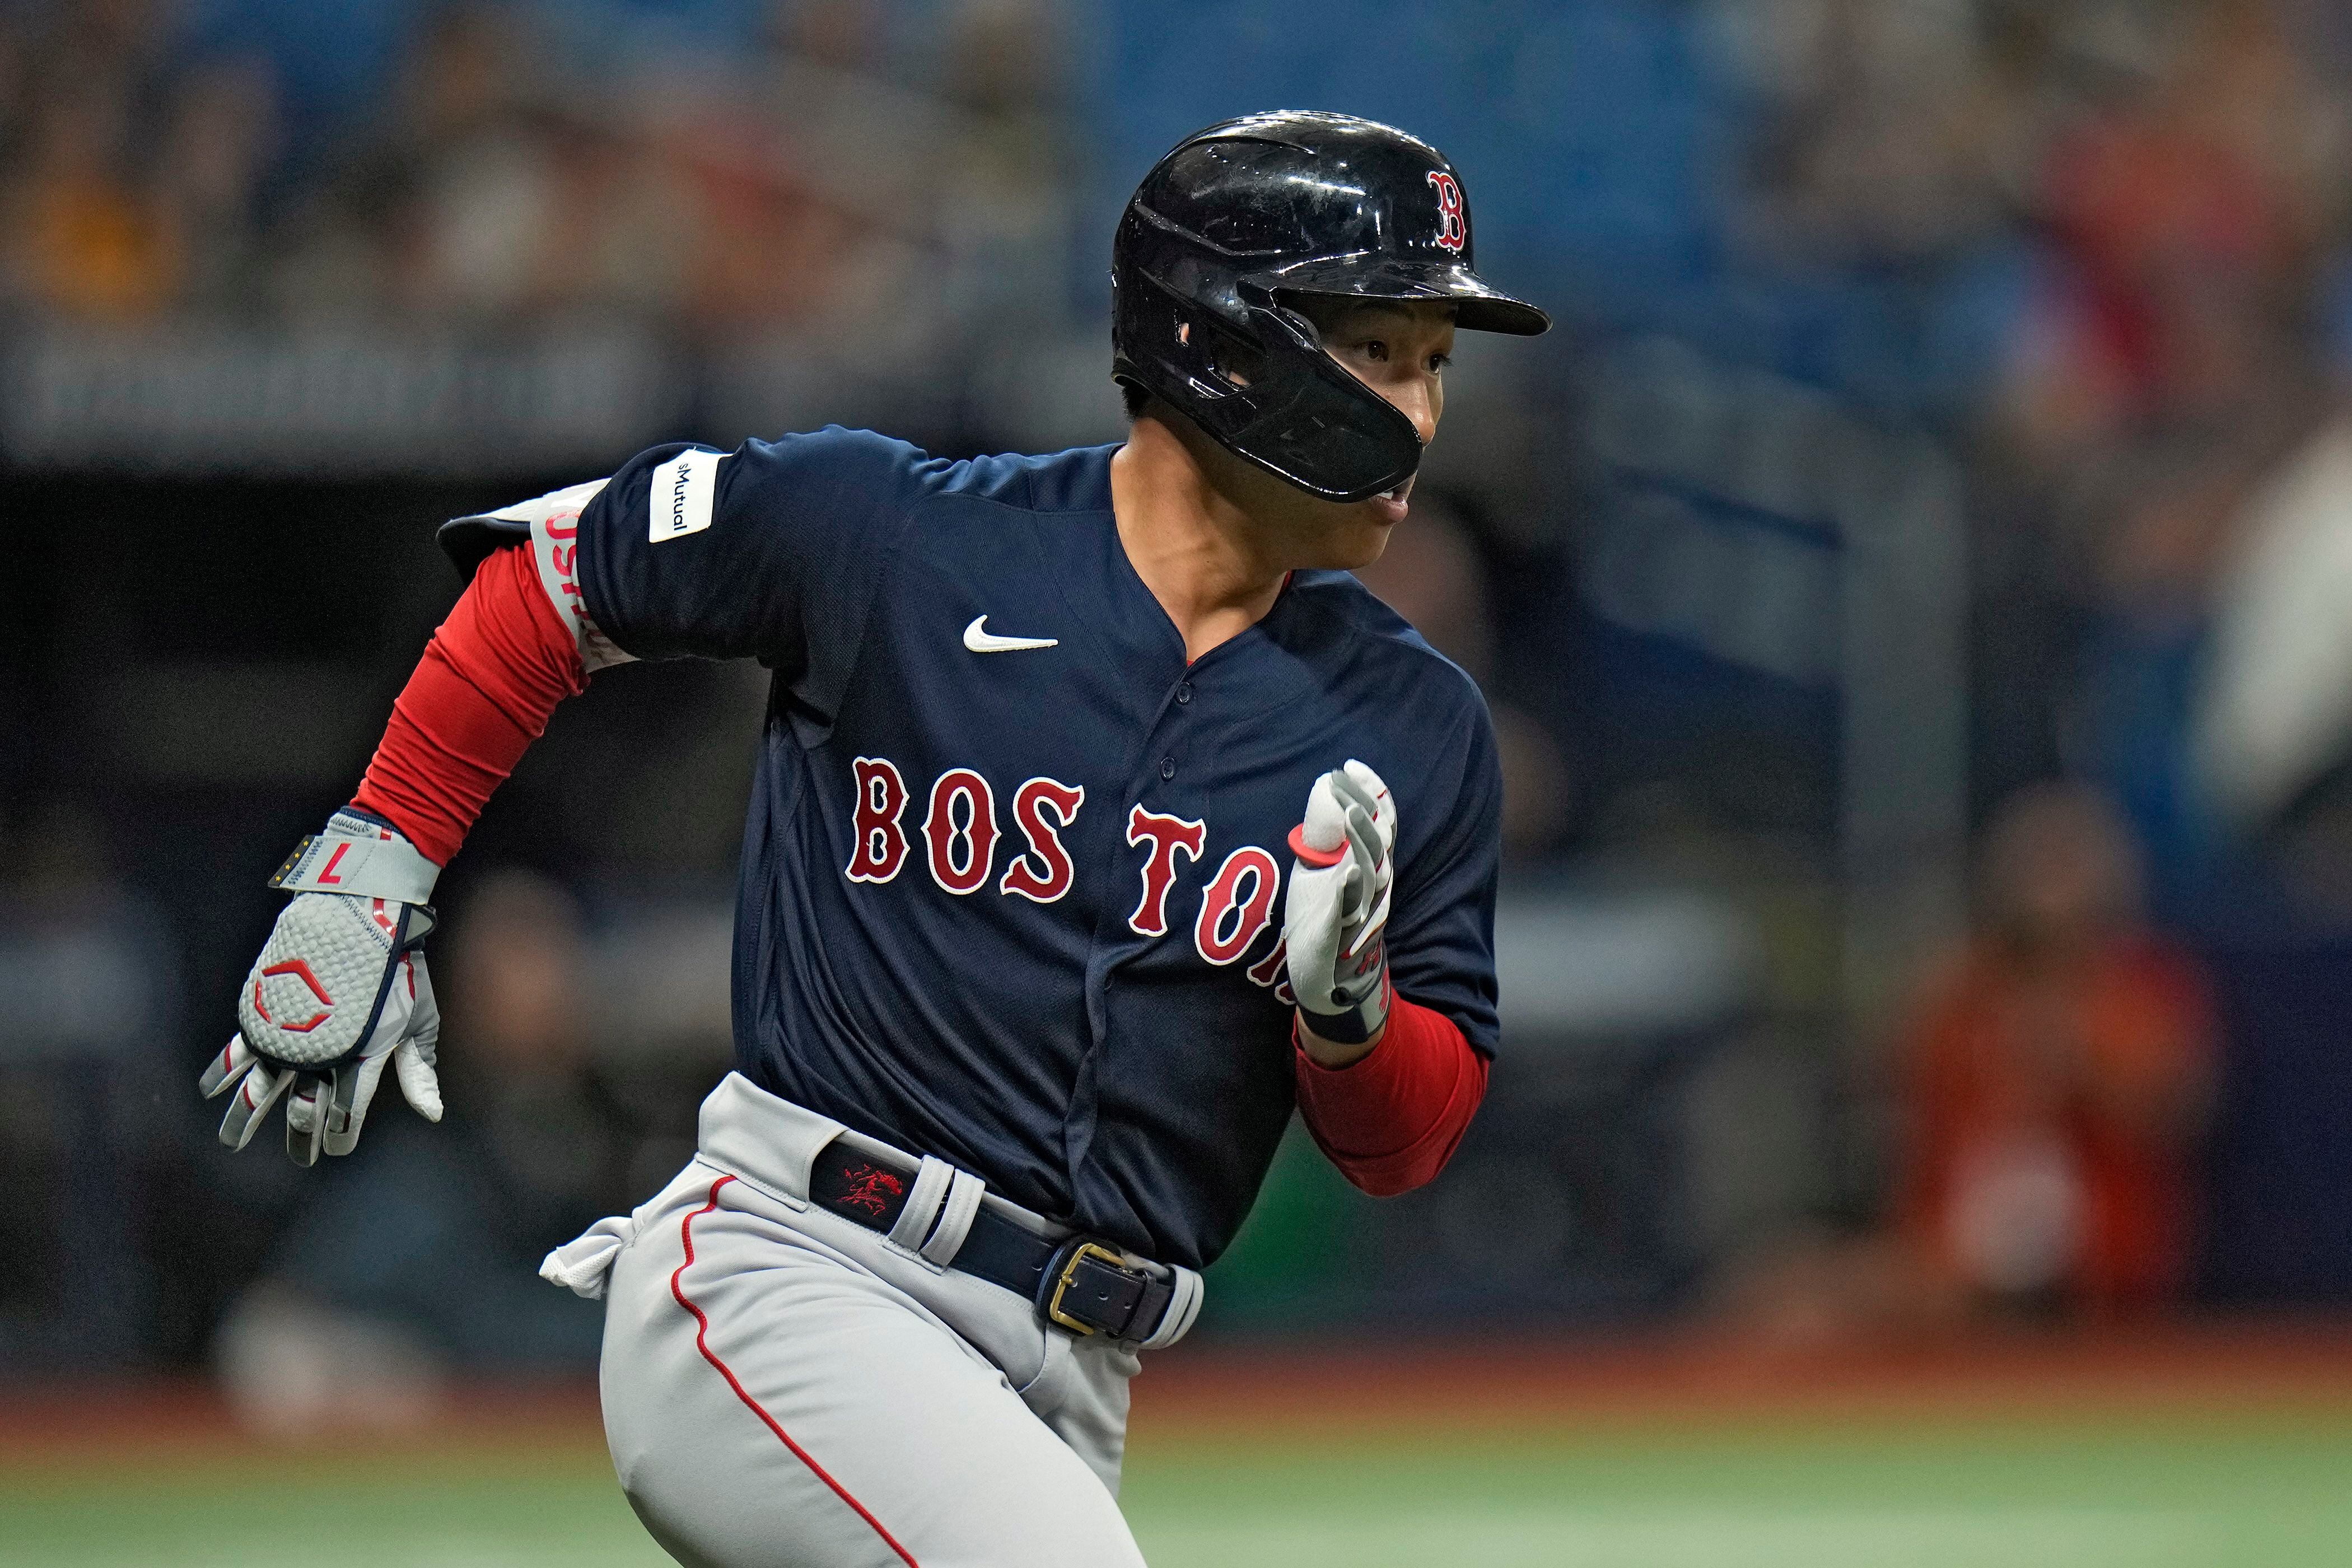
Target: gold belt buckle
[1069, 1276]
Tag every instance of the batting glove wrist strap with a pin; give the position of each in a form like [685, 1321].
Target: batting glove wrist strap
[339, 993]
[358, 855]
[1336, 912]
[1359, 1023]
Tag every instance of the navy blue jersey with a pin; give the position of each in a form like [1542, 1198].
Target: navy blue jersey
[1012, 877]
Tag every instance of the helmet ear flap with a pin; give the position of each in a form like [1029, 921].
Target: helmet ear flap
[1281, 308]
[1317, 427]
[1160, 341]
[1232, 358]
[1166, 342]
[1270, 395]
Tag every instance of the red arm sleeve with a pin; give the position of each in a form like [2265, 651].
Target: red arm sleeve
[1390, 1120]
[482, 693]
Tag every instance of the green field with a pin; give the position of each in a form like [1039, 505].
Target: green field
[2242, 1488]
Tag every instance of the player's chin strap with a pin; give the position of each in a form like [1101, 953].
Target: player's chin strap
[359, 856]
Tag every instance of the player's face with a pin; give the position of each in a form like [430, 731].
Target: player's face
[1400, 350]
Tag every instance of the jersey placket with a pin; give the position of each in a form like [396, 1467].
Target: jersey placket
[1157, 783]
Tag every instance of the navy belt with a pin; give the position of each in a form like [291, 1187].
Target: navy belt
[1083, 1285]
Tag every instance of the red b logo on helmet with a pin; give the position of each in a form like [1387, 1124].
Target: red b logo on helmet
[1453, 230]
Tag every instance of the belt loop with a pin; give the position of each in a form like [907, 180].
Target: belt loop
[1182, 1308]
[922, 1204]
[955, 1218]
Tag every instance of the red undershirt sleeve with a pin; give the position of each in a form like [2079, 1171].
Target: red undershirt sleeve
[1390, 1120]
[490, 678]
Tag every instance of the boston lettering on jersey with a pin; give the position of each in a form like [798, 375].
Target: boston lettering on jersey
[1012, 880]
[959, 834]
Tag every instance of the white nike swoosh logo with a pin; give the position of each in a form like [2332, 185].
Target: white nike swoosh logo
[979, 641]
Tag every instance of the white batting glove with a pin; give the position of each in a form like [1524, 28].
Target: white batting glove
[340, 990]
[1336, 911]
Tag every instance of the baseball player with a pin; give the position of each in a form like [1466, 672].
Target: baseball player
[1100, 820]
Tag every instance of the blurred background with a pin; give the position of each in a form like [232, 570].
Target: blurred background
[1909, 584]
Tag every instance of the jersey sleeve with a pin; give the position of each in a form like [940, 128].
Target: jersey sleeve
[1442, 934]
[771, 551]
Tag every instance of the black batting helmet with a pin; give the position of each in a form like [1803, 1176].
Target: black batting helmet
[1239, 219]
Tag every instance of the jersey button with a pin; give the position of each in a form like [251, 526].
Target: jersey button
[1185, 691]
[1166, 767]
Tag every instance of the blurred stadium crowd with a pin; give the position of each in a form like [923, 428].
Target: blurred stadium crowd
[712, 167]
[1909, 585]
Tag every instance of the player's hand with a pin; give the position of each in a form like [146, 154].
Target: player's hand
[340, 991]
[1336, 914]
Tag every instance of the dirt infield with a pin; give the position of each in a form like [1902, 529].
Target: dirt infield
[2269, 1366]
[2217, 1448]
[1222, 1392]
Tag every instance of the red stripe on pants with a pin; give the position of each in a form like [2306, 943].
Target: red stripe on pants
[702, 1343]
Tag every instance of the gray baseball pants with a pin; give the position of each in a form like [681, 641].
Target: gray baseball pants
[783, 1388]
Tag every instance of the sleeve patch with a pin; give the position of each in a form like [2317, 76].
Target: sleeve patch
[679, 502]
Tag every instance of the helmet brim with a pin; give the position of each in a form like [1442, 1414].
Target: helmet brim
[1480, 307]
